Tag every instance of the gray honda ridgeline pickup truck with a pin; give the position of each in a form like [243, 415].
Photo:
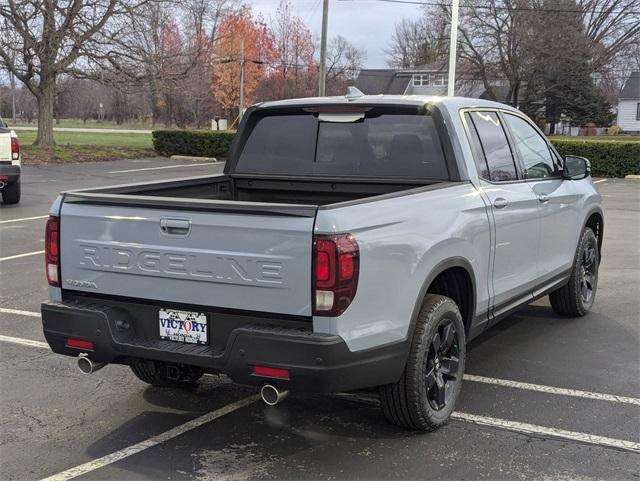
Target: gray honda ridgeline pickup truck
[351, 242]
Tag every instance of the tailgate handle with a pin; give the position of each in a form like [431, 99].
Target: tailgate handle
[180, 227]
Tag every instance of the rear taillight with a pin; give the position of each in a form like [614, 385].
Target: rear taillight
[52, 251]
[336, 264]
[15, 148]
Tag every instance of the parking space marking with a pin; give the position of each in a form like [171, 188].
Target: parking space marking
[534, 429]
[18, 256]
[597, 396]
[160, 168]
[24, 342]
[552, 390]
[151, 442]
[23, 219]
[19, 312]
[598, 181]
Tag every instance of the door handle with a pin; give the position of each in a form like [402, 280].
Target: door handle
[500, 203]
[179, 227]
[543, 198]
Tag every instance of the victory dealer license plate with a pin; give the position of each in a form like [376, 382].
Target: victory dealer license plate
[183, 326]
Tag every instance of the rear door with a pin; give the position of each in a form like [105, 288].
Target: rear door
[514, 207]
[236, 260]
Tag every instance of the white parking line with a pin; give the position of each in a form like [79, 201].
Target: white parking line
[24, 342]
[552, 390]
[19, 312]
[151, 442]
[597, 396]
[163, 167]
[515, 426]
[24, 218]
[534, 429]
[18, 256]
[598, 181]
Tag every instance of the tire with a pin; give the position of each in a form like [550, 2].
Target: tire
[11, 193]
[155, 373]
[411, 402]
[576, 298]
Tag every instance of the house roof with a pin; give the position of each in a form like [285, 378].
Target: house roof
[427, 67]
[381, 81]
[391, 81]
[631, 89]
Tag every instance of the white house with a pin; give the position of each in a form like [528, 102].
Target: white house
[629, 104]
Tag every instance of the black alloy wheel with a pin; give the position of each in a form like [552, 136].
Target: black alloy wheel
[442, 365]
[588, 272]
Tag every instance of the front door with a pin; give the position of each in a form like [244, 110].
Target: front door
[557, 200]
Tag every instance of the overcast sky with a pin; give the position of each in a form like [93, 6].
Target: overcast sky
[367, 24]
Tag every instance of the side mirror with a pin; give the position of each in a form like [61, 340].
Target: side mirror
[576, 168]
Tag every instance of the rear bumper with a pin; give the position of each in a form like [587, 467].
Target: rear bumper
[316, 362]
[9, 174]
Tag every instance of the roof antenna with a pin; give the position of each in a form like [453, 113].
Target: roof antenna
[353, 93]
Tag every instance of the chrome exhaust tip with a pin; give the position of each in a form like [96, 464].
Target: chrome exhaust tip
[87, 366]
[271, 395]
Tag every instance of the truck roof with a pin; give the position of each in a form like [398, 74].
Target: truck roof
[450, 103]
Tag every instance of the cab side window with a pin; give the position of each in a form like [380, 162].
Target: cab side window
[494, 147]
[532, 148]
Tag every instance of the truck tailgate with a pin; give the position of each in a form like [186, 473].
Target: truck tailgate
[249, 261]
[5, 145]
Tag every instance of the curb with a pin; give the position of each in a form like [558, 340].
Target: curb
[190, 157]
[632, 177]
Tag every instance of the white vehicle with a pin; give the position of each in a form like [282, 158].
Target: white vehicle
[9, 164]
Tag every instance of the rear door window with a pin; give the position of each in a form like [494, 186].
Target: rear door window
[495, 146]
[376, 145]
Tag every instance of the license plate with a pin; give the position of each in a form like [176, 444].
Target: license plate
[183, 326]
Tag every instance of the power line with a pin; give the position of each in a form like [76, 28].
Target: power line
[497, 7]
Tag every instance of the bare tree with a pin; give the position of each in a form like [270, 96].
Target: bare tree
[419, 41]
[612, 27]
[501, 39]
[344, 61]
[41, 40]
[494, 37]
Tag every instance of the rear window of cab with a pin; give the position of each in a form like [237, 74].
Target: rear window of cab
[366, 144]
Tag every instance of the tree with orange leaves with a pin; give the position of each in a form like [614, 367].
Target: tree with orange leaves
[258, 55]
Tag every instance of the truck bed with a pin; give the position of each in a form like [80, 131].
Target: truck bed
[238, 191]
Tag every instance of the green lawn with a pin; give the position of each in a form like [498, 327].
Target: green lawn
[90, 124]
[87, 146]
[103, 139]
[611, 138]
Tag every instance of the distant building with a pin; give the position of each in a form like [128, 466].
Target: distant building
[428, 79]
[629, 104]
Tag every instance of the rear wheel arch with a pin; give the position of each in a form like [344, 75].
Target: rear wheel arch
[453, 278]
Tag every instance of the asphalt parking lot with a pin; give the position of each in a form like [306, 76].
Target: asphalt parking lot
[544, 398]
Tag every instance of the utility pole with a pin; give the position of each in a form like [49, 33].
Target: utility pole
[241, 79]
[12, 80]
[453, 47]
[323, 50]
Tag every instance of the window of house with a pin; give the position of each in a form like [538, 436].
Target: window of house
[638, 111]
[430, 80]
